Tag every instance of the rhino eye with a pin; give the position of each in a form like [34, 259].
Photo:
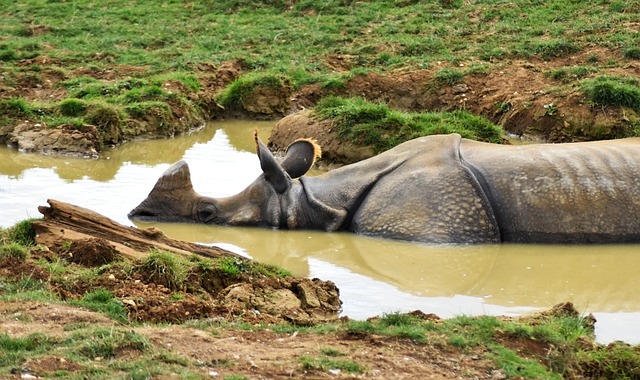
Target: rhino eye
[207, 212]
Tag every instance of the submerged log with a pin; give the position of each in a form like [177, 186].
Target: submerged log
[64, 223]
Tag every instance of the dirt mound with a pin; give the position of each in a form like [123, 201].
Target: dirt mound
[92, 252]
[64, 140]
[13, 267]
[303, 125]
[149, 299]
[174, 287]
[298, 300]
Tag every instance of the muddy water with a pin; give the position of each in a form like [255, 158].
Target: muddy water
[374, 275]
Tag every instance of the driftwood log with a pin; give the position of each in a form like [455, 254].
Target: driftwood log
[65, 223]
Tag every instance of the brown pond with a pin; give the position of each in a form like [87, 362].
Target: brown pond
[374, 275]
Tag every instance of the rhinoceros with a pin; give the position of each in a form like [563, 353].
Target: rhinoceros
[437, 189]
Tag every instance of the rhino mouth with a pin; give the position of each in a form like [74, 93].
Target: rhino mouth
[144, 215]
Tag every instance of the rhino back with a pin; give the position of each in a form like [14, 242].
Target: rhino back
[561, 193]
[431, 197]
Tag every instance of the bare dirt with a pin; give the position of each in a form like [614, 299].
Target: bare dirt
[255, 354]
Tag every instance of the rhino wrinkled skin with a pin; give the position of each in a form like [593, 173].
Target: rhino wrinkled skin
[436, 189]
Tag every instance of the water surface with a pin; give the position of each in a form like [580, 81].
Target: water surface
[374, 275]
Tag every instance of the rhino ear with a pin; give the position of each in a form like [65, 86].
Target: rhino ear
[301, 155]
[273, 172]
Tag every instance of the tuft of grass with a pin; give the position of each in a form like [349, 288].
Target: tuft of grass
[398, 319]
[189, 81]
[103, 301]
[329, 351]
[515, 366]
[107, 118]
[8, 54]
[325, 364]
[556, 49]
[234, 266]
[26, 288]
[234, 95]
[613, 91]
[166, 268]
[471, 331]
[449, 76]
[377, 125]
[361, 328]
[92, 89]
[72, 107]
[106, 342]
[335, 82]
[144, 94]
[631, 52]
[617, 360]
[15, 107]
[16, 350]
[15, 250]
[566, 75]
[155, 108]
[23, 233]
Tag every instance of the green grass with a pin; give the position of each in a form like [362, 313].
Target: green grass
[72, 107]
[569, 74]
[266, 33]
[237, 92]
[325, 363]
[377, 125]
[234, 266]
[16, 250]
[449, 76]
[280, 44]
[103, 301]
[516, 366]
[23, 233]
[561, 334]
[166, 267]
[16, 350]
[15, 107]
[613, 91]
[106, 342]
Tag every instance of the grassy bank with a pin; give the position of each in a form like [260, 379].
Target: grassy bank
[140, 68]
[295, 38]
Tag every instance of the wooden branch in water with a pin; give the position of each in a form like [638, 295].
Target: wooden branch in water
[64, 222]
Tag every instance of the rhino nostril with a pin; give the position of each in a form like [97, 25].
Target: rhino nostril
[142, 214]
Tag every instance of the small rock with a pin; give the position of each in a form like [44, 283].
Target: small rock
[496, 374]
[129, 302]
[459, 88]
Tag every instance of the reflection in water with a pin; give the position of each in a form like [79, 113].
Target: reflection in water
[593, 277]
[374, 275]
[117, 182]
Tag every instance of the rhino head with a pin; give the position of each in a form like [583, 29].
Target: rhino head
[173, 198]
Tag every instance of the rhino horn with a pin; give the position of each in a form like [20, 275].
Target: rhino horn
[173, 191]
[177, 177]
